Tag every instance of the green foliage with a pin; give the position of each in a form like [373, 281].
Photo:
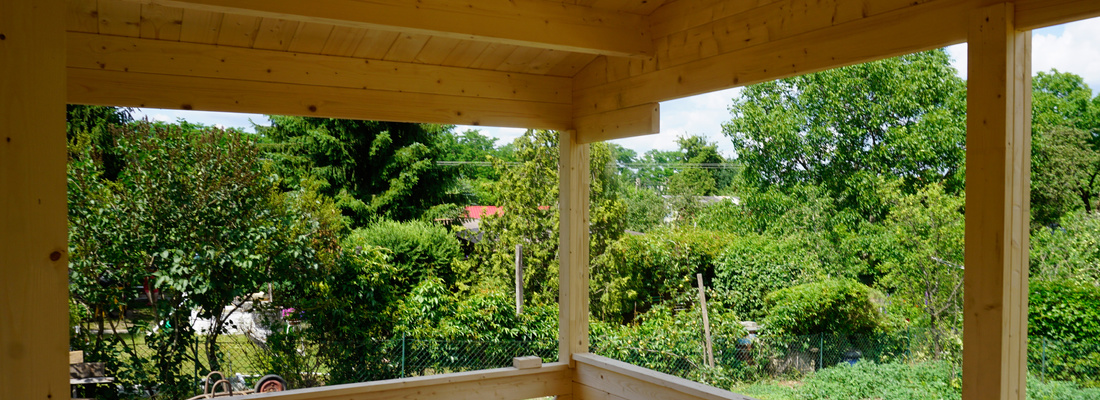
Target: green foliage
[899, 118]
[930, 380]
[1064, 310]
[923, 256]
[486, 313]
[1065, 169]
[645, 209]
[641, 270]
[418, 250]
[828, 305]
[752, 266]
[371, 168]
[669, 337]
[1069, 251]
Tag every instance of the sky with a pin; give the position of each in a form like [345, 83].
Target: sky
[1073, 47]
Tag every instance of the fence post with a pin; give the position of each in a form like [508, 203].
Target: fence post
[908, 345]
[402, 355]
[821, 350]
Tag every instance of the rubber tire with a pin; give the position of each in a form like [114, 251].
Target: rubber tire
[270, 381]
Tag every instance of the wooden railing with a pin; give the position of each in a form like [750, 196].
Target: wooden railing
[601, 378]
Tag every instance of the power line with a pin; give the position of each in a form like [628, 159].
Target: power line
[620, 165]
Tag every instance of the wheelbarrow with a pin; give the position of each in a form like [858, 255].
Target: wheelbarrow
[269, 383]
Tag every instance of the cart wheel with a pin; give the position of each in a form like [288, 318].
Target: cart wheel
[271, 383]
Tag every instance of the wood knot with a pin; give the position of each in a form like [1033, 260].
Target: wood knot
[2, 37]
[55, 256]
[312, 108]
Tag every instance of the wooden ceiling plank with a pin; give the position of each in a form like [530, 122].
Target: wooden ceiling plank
[572, 64]
[531, 23]
[519, 60]
[406, 47]
[1035, 14]
[375, 44]
[200, 26]
[160, 22]
[436, 50]
[91, 51]
[275, 34]
[131, 89]
[343, 41]
[82, 16]
[465, 53]
[493, 56]
[310, 38]
[546, 60]
[628, 122]
[119, 18]
[238, 30]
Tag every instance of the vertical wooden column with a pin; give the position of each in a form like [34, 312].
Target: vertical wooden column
[573, 178]
[998, 165]
[33, 215]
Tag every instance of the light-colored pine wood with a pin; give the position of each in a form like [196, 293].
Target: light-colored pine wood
[465, 53]
[531, 23]
[633, 382]
[190, 59]
[310, 38]
[82, 16]
[34, 286]
[504, 383]
[493, 56]
[997, 218]
[275, 34]
[406, 47]
[573, 239]
[343, 41]
[527, 362]
[928, 25]
[200, 26]
[1035, 14]
[238, 30]
[519, 60]
[632, 121]
[159, 22]
[119, 18]
[436, 50]
[375, 44]
[131, 89]
[572, 64]
[76, 357]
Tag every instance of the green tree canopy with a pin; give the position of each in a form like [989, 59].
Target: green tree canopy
[373, 169]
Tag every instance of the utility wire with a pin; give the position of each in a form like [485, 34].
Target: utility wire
[621, 165]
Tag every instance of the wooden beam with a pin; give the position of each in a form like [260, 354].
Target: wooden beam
[126, 54]
[1035, 14]
[633, 121]
[705, 56]
[998, 166]
[599, 376]
[531, 23]
[573, 178]
[503, 383]
[34, 262]
[133, 89]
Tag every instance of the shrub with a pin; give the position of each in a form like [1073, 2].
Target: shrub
[831, 305]
[419, 250]
[753, 266]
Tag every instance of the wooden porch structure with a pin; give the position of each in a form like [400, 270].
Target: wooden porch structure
[592, 69]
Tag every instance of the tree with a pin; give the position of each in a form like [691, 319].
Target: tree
[827, 306]
[1069, 251]
[1065, 147]
[373, 169]
[924, 259]
[843, 129]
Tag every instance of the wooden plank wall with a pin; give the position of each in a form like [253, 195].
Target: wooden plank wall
[34, 336]
[601, 378]
[998, 167]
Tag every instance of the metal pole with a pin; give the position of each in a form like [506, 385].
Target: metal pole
[402, 355]
[821, 350]
[519, 279]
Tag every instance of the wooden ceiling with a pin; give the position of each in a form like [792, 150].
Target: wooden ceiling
[597, 66]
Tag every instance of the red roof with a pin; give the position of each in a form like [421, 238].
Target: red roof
[479, 212]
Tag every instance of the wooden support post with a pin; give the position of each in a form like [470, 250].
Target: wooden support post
[998, 164]
[519, 279]
[709, 347]
[34, 263]
[573, 200]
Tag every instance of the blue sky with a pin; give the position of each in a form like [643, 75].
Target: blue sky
[1072, 47]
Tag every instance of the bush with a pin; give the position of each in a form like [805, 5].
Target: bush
[831, 305]
[1063, 310]
[638, 271]
[753, 266]
[419, 250]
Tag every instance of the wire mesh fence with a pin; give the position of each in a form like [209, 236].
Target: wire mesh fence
[741, 359]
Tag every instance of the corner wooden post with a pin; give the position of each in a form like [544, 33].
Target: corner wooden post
[34, 269]
[998, 165]
[573, 243]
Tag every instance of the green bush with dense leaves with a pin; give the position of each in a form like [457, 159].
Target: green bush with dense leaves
[418, 250]
[641, 270]
[830, 305]
[752, 266]
[1064, 310]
